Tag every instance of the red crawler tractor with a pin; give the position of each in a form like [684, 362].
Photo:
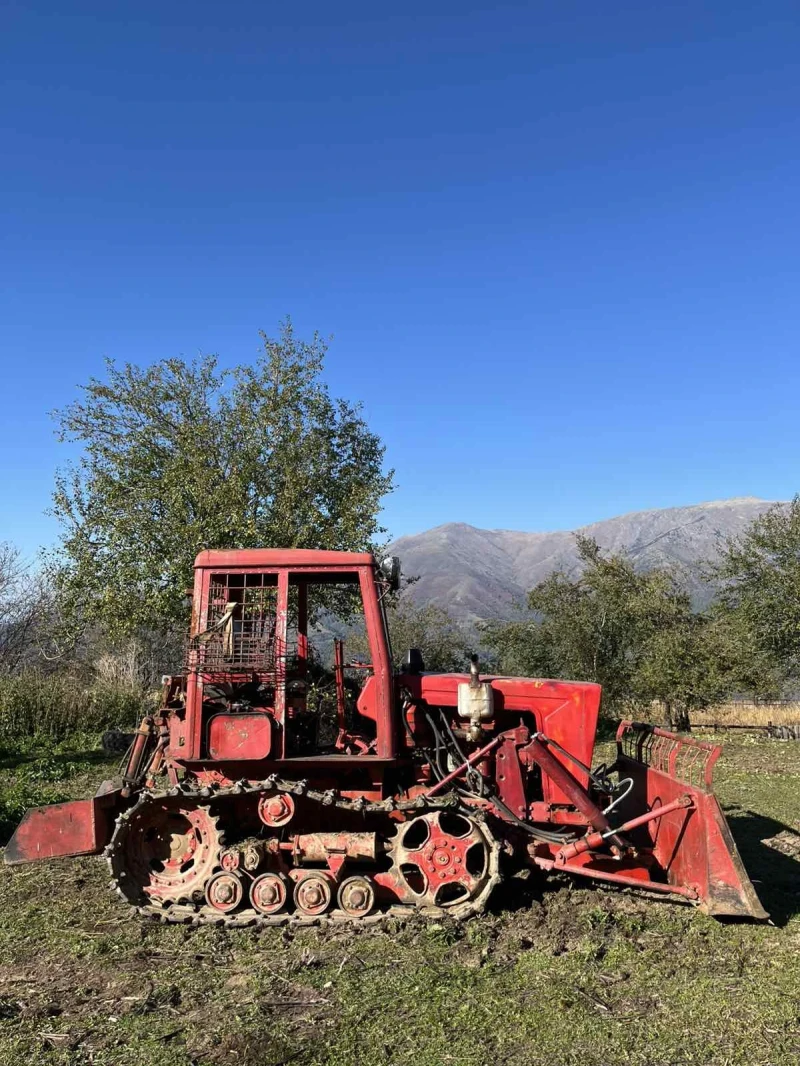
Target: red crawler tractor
[235, 808]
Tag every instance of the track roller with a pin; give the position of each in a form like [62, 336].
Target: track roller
[225, 891]
[312, 894]
[356, 897]
[269, 893]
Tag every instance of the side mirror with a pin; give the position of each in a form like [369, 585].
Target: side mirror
[390, 571]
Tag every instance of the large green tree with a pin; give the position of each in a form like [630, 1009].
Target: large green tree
[759, 577]
[180, 456]
[633, 632]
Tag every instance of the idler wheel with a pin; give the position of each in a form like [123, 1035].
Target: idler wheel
[225, 891]
[312, 894]
[269, 893]
[356, 897]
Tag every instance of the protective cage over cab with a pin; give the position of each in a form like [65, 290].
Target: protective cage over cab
[250, 650]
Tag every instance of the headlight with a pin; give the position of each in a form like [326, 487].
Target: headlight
[390, 570]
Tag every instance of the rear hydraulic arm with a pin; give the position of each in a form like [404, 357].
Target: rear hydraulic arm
[538, 751]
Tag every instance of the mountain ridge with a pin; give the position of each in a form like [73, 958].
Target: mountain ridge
[486, 573]
[705, 504]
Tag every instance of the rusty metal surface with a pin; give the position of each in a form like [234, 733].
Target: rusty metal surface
[395, 895]
[81, 827]
[680, 756]
[694, 846]
[445, 858]
[318, 847]
[356, 896]
[169, 848]
[240, 737]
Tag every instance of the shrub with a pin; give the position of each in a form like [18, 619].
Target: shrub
[20, 796]
[34, 704]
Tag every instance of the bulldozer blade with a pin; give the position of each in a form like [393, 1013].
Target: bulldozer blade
[693, 846]
[80, 827]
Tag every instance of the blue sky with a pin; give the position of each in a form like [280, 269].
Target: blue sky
[556, 244]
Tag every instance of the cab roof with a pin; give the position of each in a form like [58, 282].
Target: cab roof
[272, 558]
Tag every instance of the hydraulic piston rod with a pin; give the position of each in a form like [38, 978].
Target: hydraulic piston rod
[596, 840]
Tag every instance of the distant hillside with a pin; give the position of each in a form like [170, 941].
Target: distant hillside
[483, 573]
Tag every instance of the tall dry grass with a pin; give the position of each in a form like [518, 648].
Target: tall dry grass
[783, 712]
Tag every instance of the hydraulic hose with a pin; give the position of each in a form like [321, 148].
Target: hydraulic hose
[437, 736]
[545, 835]
[472, 775]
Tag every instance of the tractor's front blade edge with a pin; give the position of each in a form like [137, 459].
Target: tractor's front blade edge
[692, 847]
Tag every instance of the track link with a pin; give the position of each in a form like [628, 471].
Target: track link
[195, 914]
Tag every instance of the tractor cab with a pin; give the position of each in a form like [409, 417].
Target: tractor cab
[255, 687]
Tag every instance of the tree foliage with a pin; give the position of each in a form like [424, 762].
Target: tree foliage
[23, 606]
[445, 643]
[634, 633]
[759, 575]
[182, 456]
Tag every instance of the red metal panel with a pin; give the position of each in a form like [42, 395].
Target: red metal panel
[383, 686]
[572, 723]
[275, 558]
[239, 737]
[81, 827]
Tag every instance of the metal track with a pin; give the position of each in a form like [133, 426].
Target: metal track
[202, 914]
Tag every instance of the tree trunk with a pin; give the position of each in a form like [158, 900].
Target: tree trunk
[676, 718]
[682, 722]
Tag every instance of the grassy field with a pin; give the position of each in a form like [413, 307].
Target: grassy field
[555, 974]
